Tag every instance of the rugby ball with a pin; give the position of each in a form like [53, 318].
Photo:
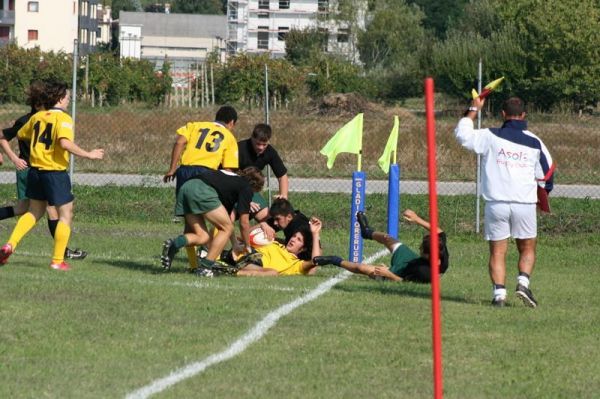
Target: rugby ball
[258, 238]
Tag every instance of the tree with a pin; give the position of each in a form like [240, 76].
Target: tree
[394, 34]
[439, 14]
[199, 6]
[393, 47]
[549, 51]
[122, 5]
[301, 46]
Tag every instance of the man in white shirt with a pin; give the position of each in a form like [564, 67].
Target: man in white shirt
[514, 163]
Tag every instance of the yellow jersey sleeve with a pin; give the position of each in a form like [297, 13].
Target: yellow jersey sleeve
[46, 128]
[26, 131]
[209, 144]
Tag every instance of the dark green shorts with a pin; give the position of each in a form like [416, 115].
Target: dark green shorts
[259, 199]
[22, 184]
[196, 197]
[400, 259]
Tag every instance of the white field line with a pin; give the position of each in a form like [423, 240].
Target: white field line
[240, 345]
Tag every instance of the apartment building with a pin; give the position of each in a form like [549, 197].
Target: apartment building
[183, 39]
[257, 26]
[51, 25]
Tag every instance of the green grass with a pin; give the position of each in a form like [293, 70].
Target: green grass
[116, 322]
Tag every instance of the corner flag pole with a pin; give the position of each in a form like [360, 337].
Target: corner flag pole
[434, 255]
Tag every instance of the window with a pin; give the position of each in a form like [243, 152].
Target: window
[32, 35]
[33, 6]
[263, 4]
[342, 35]
[4, 32]
[282, 31]
[284, 4]
[263, 15]
[83, 36]
[263, 40]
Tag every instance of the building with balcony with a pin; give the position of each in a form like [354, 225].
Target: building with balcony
[51, 26]
[257, 26]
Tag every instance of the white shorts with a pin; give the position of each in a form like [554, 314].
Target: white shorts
[509, 219]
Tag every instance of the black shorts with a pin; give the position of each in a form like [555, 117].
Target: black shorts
[52, 186]
[185, 173]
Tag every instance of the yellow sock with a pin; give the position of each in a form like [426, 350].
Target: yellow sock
[25, 223]
[61, 239]
[192, 258]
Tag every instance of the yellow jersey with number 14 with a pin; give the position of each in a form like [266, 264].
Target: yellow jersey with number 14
[43, 131]
[209, 144]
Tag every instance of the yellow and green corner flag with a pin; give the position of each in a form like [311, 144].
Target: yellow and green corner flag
[347, 139]
[392, 144]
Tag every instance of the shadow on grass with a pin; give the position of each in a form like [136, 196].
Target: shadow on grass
[404, 289]
[143, 266]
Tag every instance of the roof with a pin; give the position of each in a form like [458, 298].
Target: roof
[176, 25]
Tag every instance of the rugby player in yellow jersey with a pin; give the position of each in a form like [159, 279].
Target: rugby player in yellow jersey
[50, 134]
[200, 146]
[282, 260]
[35, 93]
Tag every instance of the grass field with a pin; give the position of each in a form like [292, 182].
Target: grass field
[116, 322]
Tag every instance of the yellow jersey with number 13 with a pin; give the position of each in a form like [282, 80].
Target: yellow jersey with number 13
[43, 131]
[209, 144]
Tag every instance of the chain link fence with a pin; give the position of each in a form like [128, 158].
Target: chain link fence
[138, 139]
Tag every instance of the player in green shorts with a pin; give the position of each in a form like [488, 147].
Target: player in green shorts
[406, 265]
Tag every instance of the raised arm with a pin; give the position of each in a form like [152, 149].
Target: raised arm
[309, 266]
[412, 217]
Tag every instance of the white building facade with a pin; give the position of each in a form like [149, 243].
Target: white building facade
[257, 26]
[50, 25]
[182, 39]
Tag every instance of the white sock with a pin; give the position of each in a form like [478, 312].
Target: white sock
[523, 280]
[499, 293]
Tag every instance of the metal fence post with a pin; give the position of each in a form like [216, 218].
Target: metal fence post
[478, 178]
[267, 121]
[74, 102]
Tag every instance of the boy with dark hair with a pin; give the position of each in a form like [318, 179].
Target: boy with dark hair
[35, 95]
[256, 151]
[50, 134]
[284, 218]
[276, 259]
[406, 265]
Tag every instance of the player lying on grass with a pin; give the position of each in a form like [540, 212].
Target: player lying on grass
[276, 259]
[283, 217]
[211, 197]
[406, 265]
